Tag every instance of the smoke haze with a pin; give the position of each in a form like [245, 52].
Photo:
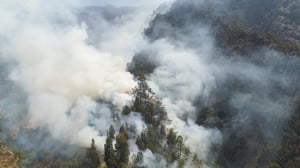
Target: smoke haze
[64, 75]
[61, 74]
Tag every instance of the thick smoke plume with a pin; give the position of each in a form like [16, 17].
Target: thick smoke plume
[71, 82]
[64, 75]
[258, 88]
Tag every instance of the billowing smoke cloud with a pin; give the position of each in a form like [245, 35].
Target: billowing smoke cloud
[65, 71]
[192, 73]
[73, 82]
[181, 79]
[185, 75]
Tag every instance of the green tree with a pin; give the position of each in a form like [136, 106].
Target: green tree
[196, 162]
[151, 138]
[137, 159]
[140, 143]
[289, 154]
[179, 145]
[93, 157]
[122, 149]
[171, 139]
[109, 152]
[175, 147]
[111, 132]
[147, 104]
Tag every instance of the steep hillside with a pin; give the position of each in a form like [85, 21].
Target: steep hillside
[277, 16]
[187, 84]
[236, 27]
[240, 28]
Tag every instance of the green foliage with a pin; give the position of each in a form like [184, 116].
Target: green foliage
[137, 159]
[117, 157]
[166, 145]
[233, 34]
[181, 162]
[196, 162]
[122, 150]
[175, 146]
[147, 104]
[151, 139]
[141, 65]
[109, 153]
[171, 138]
[111, 132]
[126, 110]
[289, 153]
[205, 114]
[140, 142]
[93, 156]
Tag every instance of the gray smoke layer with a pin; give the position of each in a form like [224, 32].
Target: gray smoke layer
[64, 76]
[60, 80]
[192, 73]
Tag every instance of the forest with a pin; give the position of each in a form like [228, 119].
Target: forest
[165, 84]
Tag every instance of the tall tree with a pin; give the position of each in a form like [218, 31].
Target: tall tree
[109, 152]
[171, 139]
[122, 149]
[93, 157]
[147, 104]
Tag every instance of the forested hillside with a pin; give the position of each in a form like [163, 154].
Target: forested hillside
[183, 83]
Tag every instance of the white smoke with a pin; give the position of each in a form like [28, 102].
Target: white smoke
[190, 67]
[76, 83]
[182, 77]
[63, 75]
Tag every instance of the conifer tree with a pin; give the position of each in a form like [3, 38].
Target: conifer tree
[93, 157]
[122, 149]
[109, 152]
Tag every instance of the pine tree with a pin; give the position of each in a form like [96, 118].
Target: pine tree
[109, 152]
[179, 145]
[122, 149]
[147, 104]
[93, 157]
[111, 132]
[175, 145]
[171, 139]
